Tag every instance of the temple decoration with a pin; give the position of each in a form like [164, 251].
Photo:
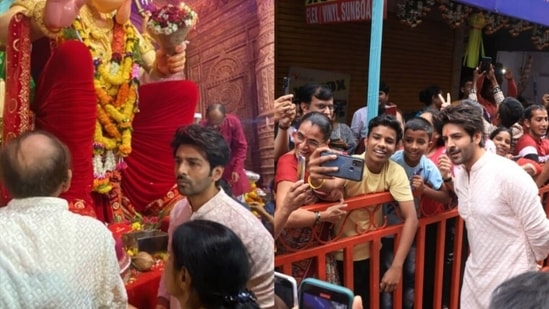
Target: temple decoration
[116, 84]
[516, 26]
[455, 14]
[540, 36]
[411, 11]
[475, 46]
[495, 22]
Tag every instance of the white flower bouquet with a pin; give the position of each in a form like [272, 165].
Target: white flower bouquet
[170, 24]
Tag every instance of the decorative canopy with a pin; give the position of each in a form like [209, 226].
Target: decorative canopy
[535, 11]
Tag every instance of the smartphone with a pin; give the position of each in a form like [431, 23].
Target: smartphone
[286, 85]
[391, 110]
[485, 63]
[317, 294]
[300, 167]
[348, 167]
[286, 289]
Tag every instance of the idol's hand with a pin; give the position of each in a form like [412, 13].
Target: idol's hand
[59, 14]
[171, 64]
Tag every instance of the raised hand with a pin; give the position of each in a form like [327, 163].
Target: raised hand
[317, 172]
[445, 103]
[445, 166]
[299, 192]
[284, 110]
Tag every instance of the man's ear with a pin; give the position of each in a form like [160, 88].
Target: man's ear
[217, 172]
[304, 107]
[67, 183]
[477, 137]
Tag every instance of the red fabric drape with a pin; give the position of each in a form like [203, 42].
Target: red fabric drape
[17, 116]
[65, 105]
[163, 107]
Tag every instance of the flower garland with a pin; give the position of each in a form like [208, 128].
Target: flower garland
[116, 83]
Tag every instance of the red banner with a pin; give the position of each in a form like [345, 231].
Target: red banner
[339, 11]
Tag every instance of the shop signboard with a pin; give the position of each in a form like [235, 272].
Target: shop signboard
[338, 11]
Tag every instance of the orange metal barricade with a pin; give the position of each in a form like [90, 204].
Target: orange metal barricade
[439, 222]
[284, 261]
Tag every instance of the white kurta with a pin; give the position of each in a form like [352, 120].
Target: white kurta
[506, 226]
[53, 258]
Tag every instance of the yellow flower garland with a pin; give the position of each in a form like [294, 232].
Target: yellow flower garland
[116, 87]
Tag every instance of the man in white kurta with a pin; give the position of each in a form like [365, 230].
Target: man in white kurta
[51, 257]
[506, 226]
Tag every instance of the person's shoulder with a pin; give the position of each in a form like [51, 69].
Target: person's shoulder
[181, 207]
[88, 226]
[398, 156]
[526, 139]
[501, 164]
[231, 213]
[287, 157]
[394, 170]
[426, 162]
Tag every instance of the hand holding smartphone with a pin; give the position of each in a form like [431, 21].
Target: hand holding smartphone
[485, 63]
[349, 167]
[317, 294]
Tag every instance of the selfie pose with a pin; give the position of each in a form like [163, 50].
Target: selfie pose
[313, 132]
[380, 174]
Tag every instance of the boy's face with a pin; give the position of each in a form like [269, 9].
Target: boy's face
[415, 145]
[383, 97]
[537, 124]
[380, 145]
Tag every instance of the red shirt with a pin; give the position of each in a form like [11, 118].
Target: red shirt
[528, 145]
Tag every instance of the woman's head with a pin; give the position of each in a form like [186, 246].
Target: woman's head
[208, 267]
[501, 137]
[429, 97]
[314, 131]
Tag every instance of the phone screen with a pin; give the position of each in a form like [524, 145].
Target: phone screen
[320, 301]
[286, 291]
[485, 64]
[391, 110]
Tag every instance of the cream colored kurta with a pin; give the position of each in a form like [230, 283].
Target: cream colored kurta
[506, 226]
[53, 258]
[258, 241]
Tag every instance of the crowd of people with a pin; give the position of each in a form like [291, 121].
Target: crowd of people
[484, 153]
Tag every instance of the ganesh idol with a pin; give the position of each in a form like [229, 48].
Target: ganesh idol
[107, 93]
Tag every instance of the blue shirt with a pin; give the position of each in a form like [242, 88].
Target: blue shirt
[426, 169]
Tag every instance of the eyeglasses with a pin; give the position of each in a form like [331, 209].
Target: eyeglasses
[300, 138]
[323, 106]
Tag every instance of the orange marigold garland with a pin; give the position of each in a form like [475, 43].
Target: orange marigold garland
[116, 83]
